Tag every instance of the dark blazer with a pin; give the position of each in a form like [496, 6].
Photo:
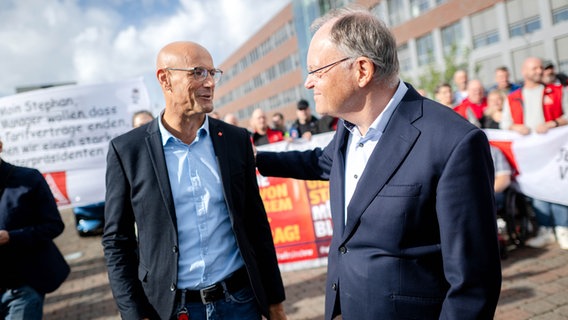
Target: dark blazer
[420, 240]
[29, 213]
[143, 277]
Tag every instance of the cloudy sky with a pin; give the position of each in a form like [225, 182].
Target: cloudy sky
[93, 41]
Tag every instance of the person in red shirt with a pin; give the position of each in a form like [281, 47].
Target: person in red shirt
[473, 106]
[261, 132]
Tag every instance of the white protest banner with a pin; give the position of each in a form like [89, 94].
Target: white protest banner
[540, 159]
[64, 133]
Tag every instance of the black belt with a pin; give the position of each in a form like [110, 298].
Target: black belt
[235, 282]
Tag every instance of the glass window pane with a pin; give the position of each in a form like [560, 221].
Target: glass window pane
[560, 15]
[425, 49]
[396, 12]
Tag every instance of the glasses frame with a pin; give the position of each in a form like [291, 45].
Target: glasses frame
[319, 72]
[213, 72]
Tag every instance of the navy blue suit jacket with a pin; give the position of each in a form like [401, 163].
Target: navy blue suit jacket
[143, 276]
[29, 213]
[420, 240]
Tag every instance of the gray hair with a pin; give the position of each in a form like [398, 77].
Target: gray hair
[357, 32]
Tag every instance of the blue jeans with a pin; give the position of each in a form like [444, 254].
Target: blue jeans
[23, 303]
[239, 305]
[550, 214]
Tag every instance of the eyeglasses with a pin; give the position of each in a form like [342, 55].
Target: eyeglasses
[319, 71]
[200, 73]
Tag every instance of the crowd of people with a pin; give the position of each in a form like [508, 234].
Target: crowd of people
[303, 127]
[537, 104]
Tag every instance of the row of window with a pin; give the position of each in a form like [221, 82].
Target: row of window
[274, 41]
[484, 31]
[400, 11]
[283, 67]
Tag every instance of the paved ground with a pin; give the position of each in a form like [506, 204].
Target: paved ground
[535, 283]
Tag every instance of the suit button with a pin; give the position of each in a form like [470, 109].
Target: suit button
[334, 286]
[173, 287]
[342, 250]
[175, 249]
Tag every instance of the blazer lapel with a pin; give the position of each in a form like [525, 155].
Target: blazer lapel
[337, 189]
[158, 159]
[221, 154]
[395, 143]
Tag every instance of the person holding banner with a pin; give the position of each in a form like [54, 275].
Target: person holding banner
[261, 133]
[141, 117]
[536, 107]
[411, 185]
[204, 248]
[31, 265]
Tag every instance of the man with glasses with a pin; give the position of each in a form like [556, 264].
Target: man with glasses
[204, 248]
[411, 185]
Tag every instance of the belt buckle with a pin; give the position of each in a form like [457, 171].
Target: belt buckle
[205, 291]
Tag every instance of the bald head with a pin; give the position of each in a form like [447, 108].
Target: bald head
[231, 118]
[258, 121]
[532, 71]
[475, 91]
[460, 79]
[180, 55]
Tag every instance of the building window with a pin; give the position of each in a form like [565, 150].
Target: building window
[417, 7]
[523, 17]
[560, 15]
[425, 49]
[484, 28]
[379, 10]
[451, 37]
[562, 53]
[524, 27]
[404, 60]
[327, 5]
[485, 39]
[396, 12]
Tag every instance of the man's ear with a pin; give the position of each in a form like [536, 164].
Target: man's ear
[164, 80]
[365, 70]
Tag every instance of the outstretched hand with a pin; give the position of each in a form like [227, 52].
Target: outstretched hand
[4, 237]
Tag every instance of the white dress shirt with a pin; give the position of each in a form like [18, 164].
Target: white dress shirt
[359, 147]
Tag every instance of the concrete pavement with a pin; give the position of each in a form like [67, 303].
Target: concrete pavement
[535, 284]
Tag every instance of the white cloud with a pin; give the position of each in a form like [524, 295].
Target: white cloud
[50, 41]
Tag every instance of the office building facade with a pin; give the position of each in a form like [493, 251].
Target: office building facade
[269, 70]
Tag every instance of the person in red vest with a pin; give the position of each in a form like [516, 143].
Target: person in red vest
[535, 107]
[261, 132]
[539, 108]
[473, 106]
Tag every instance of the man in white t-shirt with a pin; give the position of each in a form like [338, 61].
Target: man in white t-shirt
[538, 108]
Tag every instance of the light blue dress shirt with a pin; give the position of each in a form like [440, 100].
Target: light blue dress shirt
[208, 251]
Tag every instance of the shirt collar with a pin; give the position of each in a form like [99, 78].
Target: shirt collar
[380, 123]
[166, 135]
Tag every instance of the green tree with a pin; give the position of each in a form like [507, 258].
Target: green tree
[433, 75]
